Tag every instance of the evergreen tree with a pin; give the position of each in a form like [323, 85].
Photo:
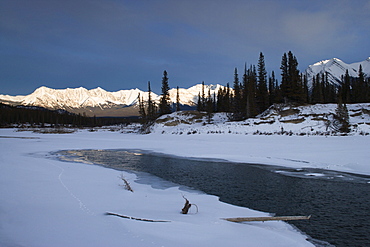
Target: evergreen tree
[285, 87]
[367, 94]
[165, 105]
[317, 90]
[346, 88]
[177, 99]
[236, 100]
[199, 103]
[249, 89]
[272, 89]
[329, 90]
[228, 96]
[223, 99]
[142, 112]
[209, 106]
[291, 84]
[203, 99]
[341, 117]
[278, 94]
[220, 99]
[151, 110]
[297, 94]
[305, 88]
[361, 98]
[262, 92]
[244, 90]
[214, 102]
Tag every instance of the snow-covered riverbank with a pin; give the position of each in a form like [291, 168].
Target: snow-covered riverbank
[46, 202]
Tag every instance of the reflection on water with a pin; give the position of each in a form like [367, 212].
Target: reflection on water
[315, 173]
[338, 202]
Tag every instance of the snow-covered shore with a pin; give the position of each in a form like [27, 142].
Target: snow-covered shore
[46, 202]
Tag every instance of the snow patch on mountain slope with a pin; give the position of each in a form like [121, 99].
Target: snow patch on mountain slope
[335, 68]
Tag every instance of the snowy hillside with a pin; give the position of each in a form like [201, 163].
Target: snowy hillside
[335, 68]
[100, 102]
[278, 119]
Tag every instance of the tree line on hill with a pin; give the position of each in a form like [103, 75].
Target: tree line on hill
[256, 92]
[40, 117]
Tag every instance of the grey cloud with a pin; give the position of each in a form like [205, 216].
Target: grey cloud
[195, 40]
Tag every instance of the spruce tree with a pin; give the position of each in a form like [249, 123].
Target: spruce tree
[262, 92]
[237, 100]
[285, 86]
[291, 84]
[305, 88]
[151, 111]
[272, 89]
[250, 86]
[317, 96]
[165, 105]
[177, 99]
[367, 94]
[346, 88]
[223, 99]
[209, 106]
[253, 86]
[203, 99]
[142, 112]
[228, 98]
[244, 89]
[199, 103]
[295, 79]
[341, 117]
[362, 86]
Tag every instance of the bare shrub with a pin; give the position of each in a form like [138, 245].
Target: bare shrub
[126, 184]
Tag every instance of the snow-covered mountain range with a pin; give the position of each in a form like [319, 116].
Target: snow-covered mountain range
[100, 102]
[335, 68]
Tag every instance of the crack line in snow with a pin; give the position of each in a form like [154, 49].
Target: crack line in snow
[83, 207]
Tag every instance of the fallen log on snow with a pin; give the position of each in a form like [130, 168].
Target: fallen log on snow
[243, 219]
[134, 218]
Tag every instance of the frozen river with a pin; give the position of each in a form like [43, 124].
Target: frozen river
[338, 202]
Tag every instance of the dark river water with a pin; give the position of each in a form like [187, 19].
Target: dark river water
[338, 202]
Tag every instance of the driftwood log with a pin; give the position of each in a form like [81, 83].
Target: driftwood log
[134, 218]
[243, 219]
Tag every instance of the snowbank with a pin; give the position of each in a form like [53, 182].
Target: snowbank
[277, 120]
[46, 202]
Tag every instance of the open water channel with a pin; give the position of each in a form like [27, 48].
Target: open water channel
[338, 202]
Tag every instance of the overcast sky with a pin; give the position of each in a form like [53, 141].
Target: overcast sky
[123, 44]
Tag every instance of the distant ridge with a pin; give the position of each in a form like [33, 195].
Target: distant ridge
[124, 103]
[335, 68]
[99, 102]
